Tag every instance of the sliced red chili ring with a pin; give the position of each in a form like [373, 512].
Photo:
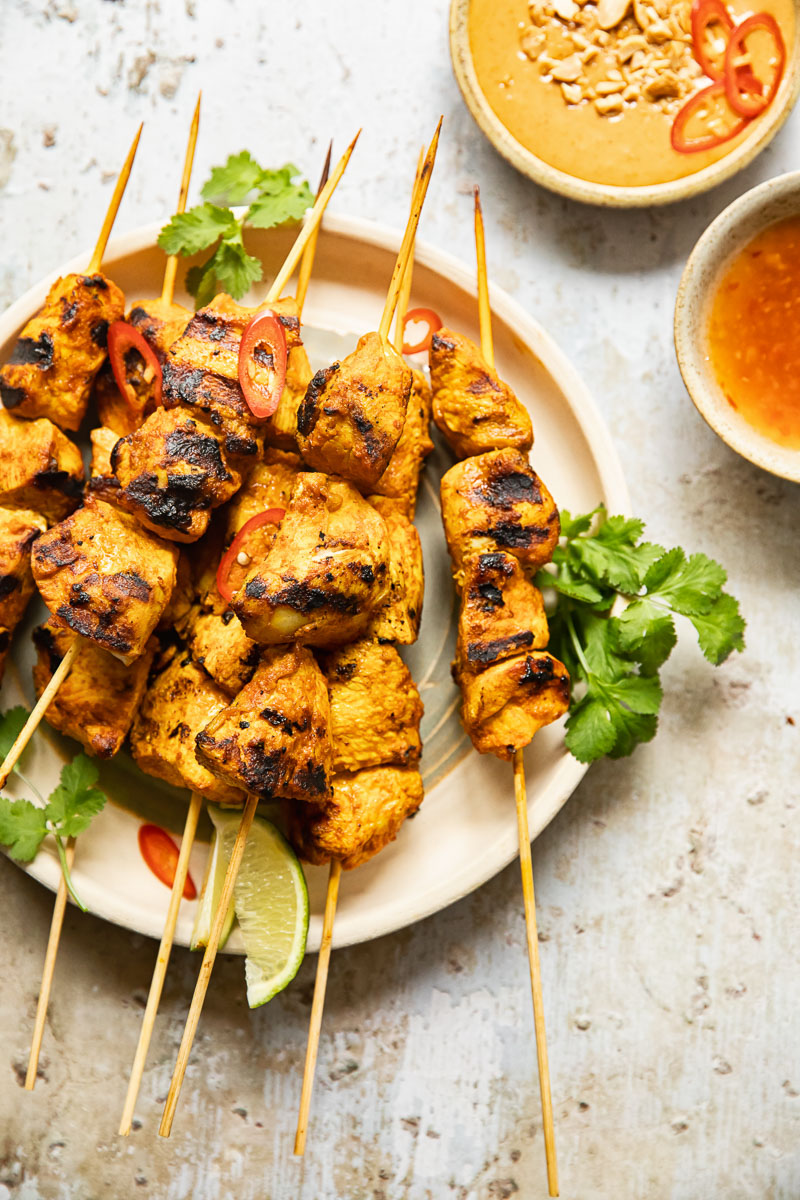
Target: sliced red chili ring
[161, 855]
[678, 138]
[262, 364]
[429, 318]
[122, 338]
[271, 516]
[737, 79]
[706, 13]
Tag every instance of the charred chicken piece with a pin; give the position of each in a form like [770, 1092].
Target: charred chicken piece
[274, 739]
[398, 618]
[98, 700]
[497, 501]
[327, 571]
[363, 815]
[19, 529]
[472, 408]
[281, 428]
[502, 612]
[505, 705]
[218, 642]
[375, 707]
[172, 471]
[353, 412]
[40, 468]
[182, 608]
[178, 703]
[105, 577]
[103, 483]
[400, 480]
[59, 352]
[269, 485]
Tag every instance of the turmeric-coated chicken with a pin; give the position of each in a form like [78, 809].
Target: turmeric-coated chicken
[172, 471]
[60, 350]
[326, 573]
[472, 407]
[502, 612]
[102, 482]
[399, 616]
[105, 577]
[40, 468]
[281, 428]
[362, 816]
[375, 707]
[178, 703]
[274, 739]
[400, 480]
[353, 412]
[19, 529]
[100, 696]
[269, 486]
[497, 501]
[505, 705]
[219, 643]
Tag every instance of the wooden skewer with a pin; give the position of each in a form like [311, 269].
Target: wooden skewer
[310, 225]
[39, 709]
[418, 199]
[206, 967]
[405, 290]
[116, 200]
[317, 1005]
[47, 973]
[162, 961]
[520, 793]
[168, 288]
[307, 261]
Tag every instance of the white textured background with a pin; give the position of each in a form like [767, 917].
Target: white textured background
[668, 887]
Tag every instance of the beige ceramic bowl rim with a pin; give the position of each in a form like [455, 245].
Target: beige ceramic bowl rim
[741, 221]
[608, 195]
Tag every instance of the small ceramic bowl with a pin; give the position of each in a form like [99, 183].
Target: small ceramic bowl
[613, 196]
[733, 229]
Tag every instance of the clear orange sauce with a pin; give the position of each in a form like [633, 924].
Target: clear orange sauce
[754, 333]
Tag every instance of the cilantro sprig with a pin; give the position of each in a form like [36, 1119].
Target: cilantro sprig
[68, 811]
[615, 659]
[273, 197]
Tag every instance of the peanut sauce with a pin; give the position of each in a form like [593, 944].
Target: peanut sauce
[754, 333]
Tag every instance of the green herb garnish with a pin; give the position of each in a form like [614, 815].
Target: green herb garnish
[272, 197]
[614, 660]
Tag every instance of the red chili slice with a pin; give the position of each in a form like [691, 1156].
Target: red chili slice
[271, 516]
[123, 337]
[431, 319]
[161, 855]
[262, 364]
[742, 99]
[706, 13]
[689, 110]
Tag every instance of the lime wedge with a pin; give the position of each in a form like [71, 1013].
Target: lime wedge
[210, 892]
[271, 902]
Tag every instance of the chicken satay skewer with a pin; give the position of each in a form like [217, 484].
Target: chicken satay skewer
[307, 261]
[520, 792]
[401, 295]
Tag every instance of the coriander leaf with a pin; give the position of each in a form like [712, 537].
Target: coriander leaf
[22, 827]
[235, 269]
[276, 208]
[590, 732]
[11, 724]
[600, 647]
[567, 584]
[572, 526]
[687, 586]
[201, 282]
[195, 230]
[634, 729]
[234, 182]
[611, 557]
[645, 633]
[721, 630]
[636, 693]
[75, 801]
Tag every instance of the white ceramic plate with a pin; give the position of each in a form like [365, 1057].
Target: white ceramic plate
[466, 830]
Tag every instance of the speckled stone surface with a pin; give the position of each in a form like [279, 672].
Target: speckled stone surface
[668, 887]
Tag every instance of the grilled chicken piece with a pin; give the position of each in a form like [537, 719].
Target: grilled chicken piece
[363, 815]
[327, 571]
[182, 607]
[18, 531]
[172, 471]
[105, 577]
[40, 468]
[353, 412]
[202, 371]
[281, 428]
[502, 612]
[274, 739]
[375, 707]
[161, 324]
[98, 700]
[103, 483]
[218, 642]
[60, 350]
[177, 704]
[398, 618]
[497, 501]
[506, 704]
[472, 407]
[269, 485]
[400, 480]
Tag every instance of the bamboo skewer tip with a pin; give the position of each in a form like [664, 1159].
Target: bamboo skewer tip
[113, 207]
[307, 261]
[171, 268]
[48, 970]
